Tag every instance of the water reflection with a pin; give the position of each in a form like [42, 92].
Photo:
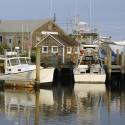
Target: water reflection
[89, 99]
[88, 104]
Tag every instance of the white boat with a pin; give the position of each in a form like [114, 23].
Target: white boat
[18, 69]
[89, 68]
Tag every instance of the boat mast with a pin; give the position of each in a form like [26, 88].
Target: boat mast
[90, 25]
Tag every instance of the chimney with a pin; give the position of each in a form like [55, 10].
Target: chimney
[54, 17]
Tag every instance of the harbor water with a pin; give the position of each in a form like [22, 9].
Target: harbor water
[80, 104]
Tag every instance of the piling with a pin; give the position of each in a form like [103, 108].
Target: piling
[106, 61]
[122, 62]
[109, 65]
[107, 53]
[37, 67]
[117, 51]
[59, 71]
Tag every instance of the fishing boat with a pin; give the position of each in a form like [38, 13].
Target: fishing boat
[18, 70]
[89, 68]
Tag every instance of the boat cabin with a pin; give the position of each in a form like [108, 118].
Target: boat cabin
[13, 64]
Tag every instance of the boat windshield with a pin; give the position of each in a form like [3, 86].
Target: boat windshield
[28, 60]
[89, 60]
[23, 61]
[14, 62]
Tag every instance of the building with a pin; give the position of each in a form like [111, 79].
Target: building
[43, 33]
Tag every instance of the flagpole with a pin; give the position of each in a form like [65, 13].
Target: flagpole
[28, 41]
[22, 38]
[29, 52]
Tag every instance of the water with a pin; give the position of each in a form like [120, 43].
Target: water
[83, 104]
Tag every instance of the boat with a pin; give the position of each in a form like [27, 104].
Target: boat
[19, 70]
[89, 67]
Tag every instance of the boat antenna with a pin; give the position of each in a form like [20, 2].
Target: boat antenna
[76, 11]
[90, 16]
[90, 25]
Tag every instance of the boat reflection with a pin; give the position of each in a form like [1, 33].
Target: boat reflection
[89, 100]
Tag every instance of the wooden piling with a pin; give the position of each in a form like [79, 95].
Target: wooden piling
[59, 71]
[107, 53]
[117, 51]
[109, 65]
[106, 61]
[122, 62]
[37, 67]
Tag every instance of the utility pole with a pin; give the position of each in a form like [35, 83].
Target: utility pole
[67, 25]
[22, 38]
[50, 8]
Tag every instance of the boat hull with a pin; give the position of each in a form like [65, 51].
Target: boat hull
[29, 77]
[92, 78]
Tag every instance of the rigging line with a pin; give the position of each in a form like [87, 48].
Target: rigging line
[110, 28]
[70, 19]
[75, 12]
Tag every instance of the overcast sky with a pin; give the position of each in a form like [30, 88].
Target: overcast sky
[108, 15]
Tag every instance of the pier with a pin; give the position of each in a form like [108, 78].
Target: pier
[118, 66]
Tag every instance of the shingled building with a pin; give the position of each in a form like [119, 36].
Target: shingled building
[43, 33]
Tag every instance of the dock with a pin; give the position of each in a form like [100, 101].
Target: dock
[119, 66]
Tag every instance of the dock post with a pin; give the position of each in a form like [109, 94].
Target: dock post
[106, 61]
[59, 71]
[107, 53]
[37, 67]
[122, 62]
[109, 65]
[117, 56]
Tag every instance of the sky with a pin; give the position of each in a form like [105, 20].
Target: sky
[107, 15]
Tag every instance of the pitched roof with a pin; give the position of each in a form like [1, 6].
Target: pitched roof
[21, 25]
[64, 40]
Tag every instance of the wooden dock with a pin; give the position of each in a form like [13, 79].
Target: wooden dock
[120, 63]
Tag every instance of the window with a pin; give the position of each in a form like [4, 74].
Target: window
[69, 50]
[18, 40]
[9, 40]
[54, 49]
[76, 50]
[8, 63]
[44, 49]
[14, 62]
[22, 60]
[0, 39]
